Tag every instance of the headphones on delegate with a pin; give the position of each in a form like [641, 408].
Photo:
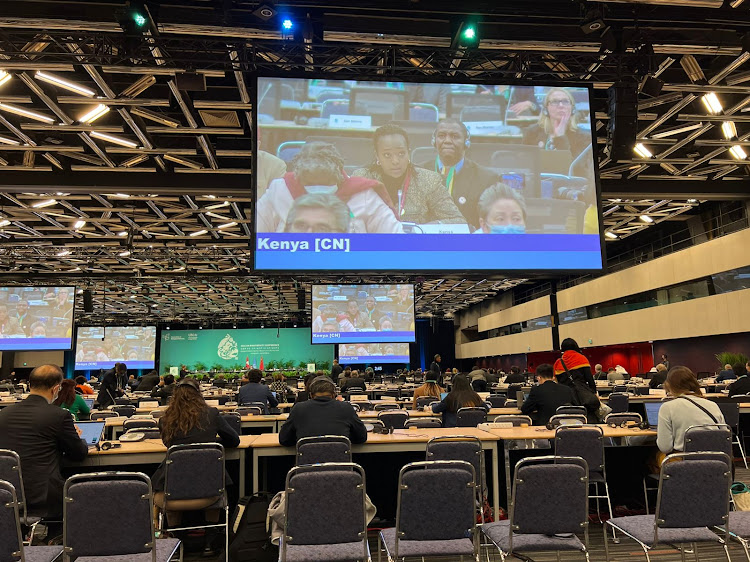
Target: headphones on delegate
[107, 445]
[467, 133]
[382, 430]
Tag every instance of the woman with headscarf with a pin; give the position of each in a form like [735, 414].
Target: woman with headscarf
[319, 168]
[557, 128]
[573, 365]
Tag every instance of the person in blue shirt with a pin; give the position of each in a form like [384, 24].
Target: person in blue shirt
[256, 392]
[726, 374]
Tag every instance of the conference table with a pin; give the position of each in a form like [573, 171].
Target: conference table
[153, 451]
[509, 435]
[400, 441]
[113, 426]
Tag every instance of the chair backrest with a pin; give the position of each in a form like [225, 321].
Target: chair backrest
[479, 385]
[515, 419]
[139, 423]
[334, 107]
[566, 419]
[423, 401]
[102, 415]
[731, 413]
[325, 504]
[123, 402]
[115, 505]
[585, 441]
[423, 422]
[356, 406]
[623, 417]
[288, 150]
[457, 448]
[550, 496]
[422, 514]
[124, 410]
[156, 414]
[234, 419]
[423, 154]
[10, 471]
[249, 410]
[619, 389]
[497, 400]
[184, 462]
[324, 449]
[394, 418]
[619, 402]
[423, 112]
[470, 417]
[571, 410]
[384, 407]
[11, 540]
[693, 491]
[710, 437]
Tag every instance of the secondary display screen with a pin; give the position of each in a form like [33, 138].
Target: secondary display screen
[36, 318]
[384, 176]
[362, 314]
[100, 348]
[373, 353]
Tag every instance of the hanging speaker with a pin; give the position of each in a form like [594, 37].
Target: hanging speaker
[301, 299]
[88, 301]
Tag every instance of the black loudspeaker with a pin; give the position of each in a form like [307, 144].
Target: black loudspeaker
[88, 301]
[190, 81]
[301, 299]
[622, 100]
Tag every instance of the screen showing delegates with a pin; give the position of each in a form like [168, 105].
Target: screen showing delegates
[382, 176]
[363, 313]
[36, 318]
[100, 348]
[373, 353]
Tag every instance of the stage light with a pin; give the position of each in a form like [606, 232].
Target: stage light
[25, 113]
[469, 36]
[737, 152]
[712, 103]
[642, 151]
[62, 83]
[139, 19]
[287, 24]
[94, 114]
[729, 129]
[646, 218]
[4, 77]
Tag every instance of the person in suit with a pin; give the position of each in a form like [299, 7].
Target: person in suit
[25, 320]
[546, 397]
[336, 370]
[465, 179]
[42, 434]
[659, 377]
[254, 391]
[354, 381]
[188, 419]
[164, 389]
[322, 415]
[148, 382]
[515, 376]
[742, 384]
[110, 387]
[726, 374]
[435, 373]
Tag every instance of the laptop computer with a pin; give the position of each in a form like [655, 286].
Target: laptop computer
[652, 412]
[91, 431]
[89, 403]
[443, 395]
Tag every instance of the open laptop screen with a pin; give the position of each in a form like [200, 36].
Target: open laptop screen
[652, 412]
[91, 431]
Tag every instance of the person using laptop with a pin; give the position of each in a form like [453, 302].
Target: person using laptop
[460, 396]
[42, 434]
[687, 408]
[69, 400]
[544, 399]
[429, 388]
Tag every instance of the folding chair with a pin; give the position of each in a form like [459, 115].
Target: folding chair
[497, 400]
[139, 424]
[515, 419]
[579, 410]
[384, 407]
[123, 410]
[249, 411]
[324, 449]
[423, 401]
[234, 419]
[470, 417]
[394, 418]
[566, 419]
[423, 423]
[103, 415]
[10, 471]
[11, 541]
[619, 402]
[731, 413]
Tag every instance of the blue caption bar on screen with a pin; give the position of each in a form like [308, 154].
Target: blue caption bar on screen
[20, 344]
[374, 359]
[357, 337]
[285, 251]
[93, 365]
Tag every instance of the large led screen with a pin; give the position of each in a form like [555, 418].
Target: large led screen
[361, 314]
[36, 318]
[383, 176]
[355, 353]
[100, 348]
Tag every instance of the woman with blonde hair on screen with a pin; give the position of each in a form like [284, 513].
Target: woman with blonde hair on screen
[557, 128]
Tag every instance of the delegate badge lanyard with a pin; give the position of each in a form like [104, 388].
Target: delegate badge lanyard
[449, 177]
[402, 194]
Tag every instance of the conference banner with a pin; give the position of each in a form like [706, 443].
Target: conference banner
[238, 349]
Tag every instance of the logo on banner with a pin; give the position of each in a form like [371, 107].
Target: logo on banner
[228, 348]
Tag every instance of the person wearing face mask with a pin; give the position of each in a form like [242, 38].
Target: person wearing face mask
[464, 179]
[42, 434]
[419, 194]
[557, 128]
[318, 168]
[502, 210]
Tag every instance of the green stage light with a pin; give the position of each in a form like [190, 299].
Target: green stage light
[470, 33]
[140, 19]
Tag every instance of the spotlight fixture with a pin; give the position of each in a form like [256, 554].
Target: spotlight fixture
[114, 140]
[65, 84]
[593, 22]
[287, 24]
[4, 77]
[79, 224]
[25, 113]
[712, 103]
[692, 69]
[646, 218]
[265, 11]
[651, 86]
[468, 35]
[729, 129]
[46, 203]
[611, 235]
[642, 151]
[737, 151]
[99, 111]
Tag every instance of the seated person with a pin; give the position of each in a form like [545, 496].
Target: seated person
[255, 391]
[545, 398]
[429, 388]
[502, 210]
[83, 387]
[742, 384]
[322, 415]
[164, 389]
[557, 128]
[318, 212]
[69, 400]
[319, 168]
[279, 385]
[726, 375]
[352, 382]
[359, 319]
[658, 378]
[599, 373]
[515, 376]
[460, 396]
[613, 376]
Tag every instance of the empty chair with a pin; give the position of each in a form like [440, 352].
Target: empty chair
[714, 437]
[684, 510]
[516, 419]
[456, 102]
[123, 402]
[324, 449]
[102, 415]
[364, 405]
[234, 419]
[623, 418]
[356, 406]
[334, 107]
[470, 417]
[325, 526]
[586, 442]
[423, 401]
[460, 448]
[10, 471]
[497, 400]
[426, 112]
[538, 522]
[387, 406]
[288, 150]
[382, 104]
[97, 504]
[124, 410]
[481, 113]
[394, 418]
[566, 419]
[430, 524]
[423, 422]
[731, 413]
[329, 94]
[423, 154]
[249, 411]
[619, 402]
[580, 410]
[11, 540]
[139, 424]
[619, 389]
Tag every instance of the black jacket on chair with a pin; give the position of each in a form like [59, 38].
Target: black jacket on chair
[41, 434]
[544, 400]
[322, 416]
